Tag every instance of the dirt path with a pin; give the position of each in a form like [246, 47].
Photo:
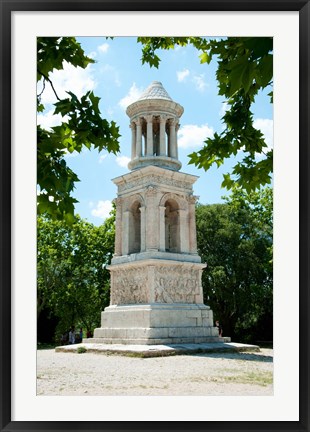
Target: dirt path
[85, 374]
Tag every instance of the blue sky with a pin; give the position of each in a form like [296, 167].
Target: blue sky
[118, 78]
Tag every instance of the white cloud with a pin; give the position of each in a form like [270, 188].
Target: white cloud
[112, 74]
[110, 112]
[182, 75]
[122, 161]
[103, 48]
[266, 127]
[132, 96]
[193, 135]
[92, 54]
[47, 119]
[74, 79]
[102, 157]
[102, 209]
[200, 82]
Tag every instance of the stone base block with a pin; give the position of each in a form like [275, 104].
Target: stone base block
[154, 324]
[162, 341]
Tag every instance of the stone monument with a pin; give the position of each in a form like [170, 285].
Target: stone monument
[156, 291]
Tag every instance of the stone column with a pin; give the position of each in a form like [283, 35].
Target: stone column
[192, 225]
[162, 136]
[125, 233]
[143, 234]
[118, 227]
[133, 140]
[139, 137]
[184, 231]
[151, 228]
[172, 140]
[149, 136]
[162, 227]
[176, 140]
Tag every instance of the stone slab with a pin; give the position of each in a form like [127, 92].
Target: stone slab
[156, 324]
[160, 350]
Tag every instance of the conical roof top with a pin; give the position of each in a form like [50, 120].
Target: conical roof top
[155, 91]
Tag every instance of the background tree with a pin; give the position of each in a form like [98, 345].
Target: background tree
[245, 67]
[73, 283]
[235, 239]
[82, 127]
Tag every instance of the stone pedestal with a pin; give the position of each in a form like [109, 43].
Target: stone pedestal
[156, 324]
[156, 301]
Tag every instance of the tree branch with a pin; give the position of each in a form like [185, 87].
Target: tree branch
[47, 79]
[39, 95]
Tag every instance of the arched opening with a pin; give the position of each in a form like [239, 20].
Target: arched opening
[156, 136]
[134, 244]
[172, 226]
[144, 137]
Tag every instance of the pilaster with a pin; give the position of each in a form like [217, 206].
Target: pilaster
[151, 219]
[125, 236]
[184, 231]
[143, 232]
[118, 227]
[162, 239]
[192, 225]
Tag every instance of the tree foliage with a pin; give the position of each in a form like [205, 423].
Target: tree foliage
[235, 239]
[72, 281]
[244, 67]
[81, 127]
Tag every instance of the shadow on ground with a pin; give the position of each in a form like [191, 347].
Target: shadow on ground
[237, 356]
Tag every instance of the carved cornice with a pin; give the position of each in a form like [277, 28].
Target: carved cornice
[153, 180]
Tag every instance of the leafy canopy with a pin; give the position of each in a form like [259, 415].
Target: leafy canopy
[72, 281]
[81, 127]
[235, 239]
[245, 67]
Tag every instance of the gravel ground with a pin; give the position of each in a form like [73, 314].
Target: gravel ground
[223, 374]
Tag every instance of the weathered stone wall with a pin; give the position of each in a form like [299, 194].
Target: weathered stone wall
[156, 282]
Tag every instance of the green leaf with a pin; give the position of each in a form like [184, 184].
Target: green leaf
[204, 58]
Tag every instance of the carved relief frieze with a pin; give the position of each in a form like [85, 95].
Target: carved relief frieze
[151, 190]
[192, 199]
[176, 284]
[153, 179]
[129, 286]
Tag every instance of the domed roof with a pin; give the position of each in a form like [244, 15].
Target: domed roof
[155, 91]
[154, 99]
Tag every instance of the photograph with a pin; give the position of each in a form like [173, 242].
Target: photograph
[154, 216]
[179, 257]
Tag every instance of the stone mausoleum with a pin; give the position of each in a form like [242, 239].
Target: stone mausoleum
[156, 291]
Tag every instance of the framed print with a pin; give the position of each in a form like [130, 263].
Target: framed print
[287, 22]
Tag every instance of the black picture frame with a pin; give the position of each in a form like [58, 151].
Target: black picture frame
[7, 7]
